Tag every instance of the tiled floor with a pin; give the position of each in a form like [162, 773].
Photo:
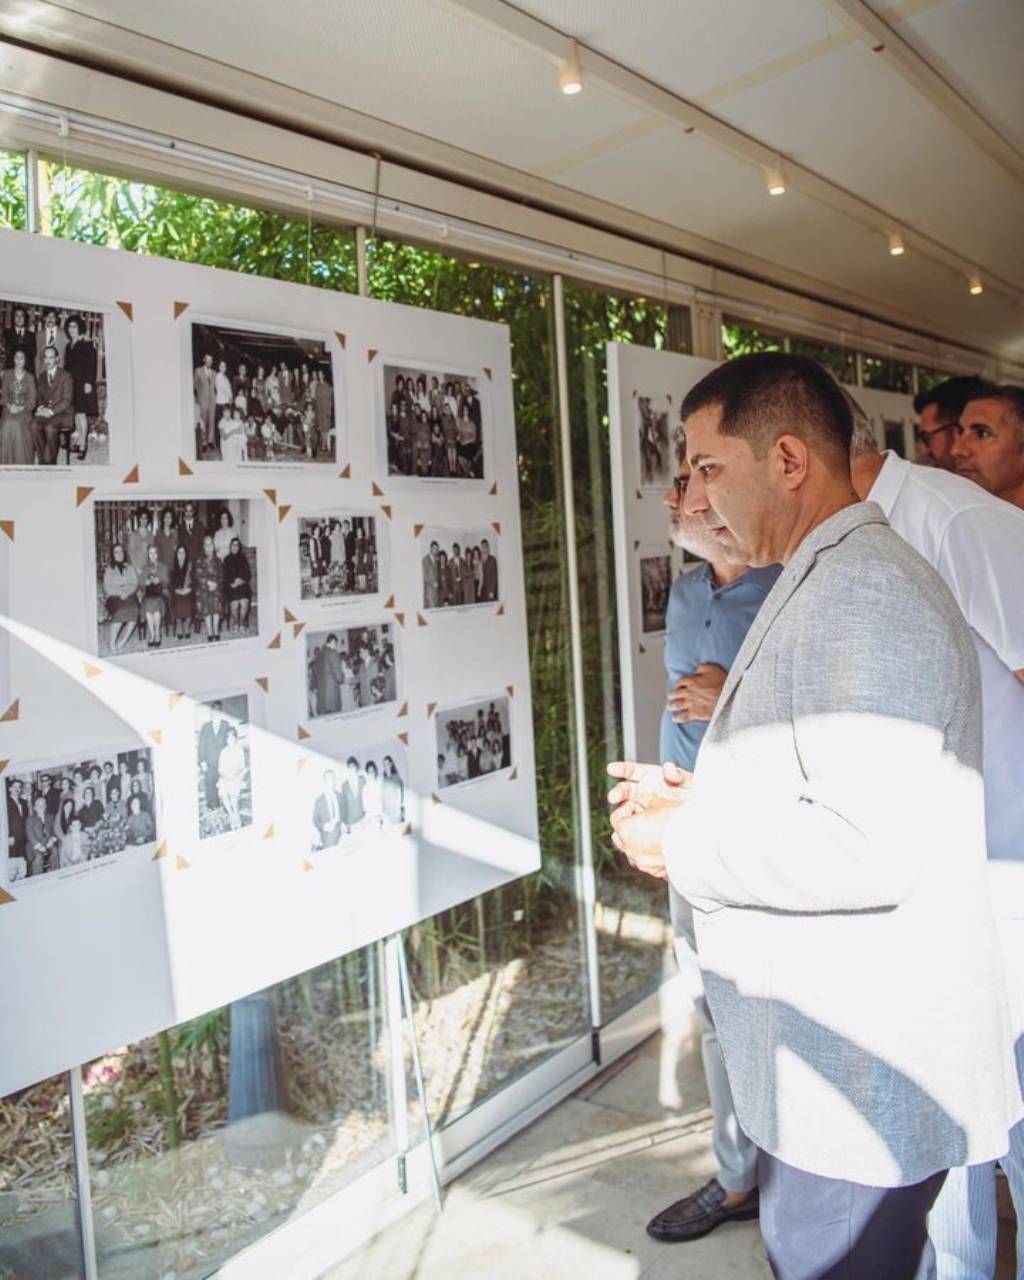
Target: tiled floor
[569, 1197]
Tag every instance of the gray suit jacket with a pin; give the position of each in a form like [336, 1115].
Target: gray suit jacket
[833, 844]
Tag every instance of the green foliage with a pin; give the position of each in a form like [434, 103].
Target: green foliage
[886, 375]
[12, 190]
[105, 1125]
[99, 209]
[740, 340]
[842, 364]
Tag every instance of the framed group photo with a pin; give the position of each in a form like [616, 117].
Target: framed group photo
[65, 385]
[222, 764]
[473, 741]
[67, 816]
[351, 669]
[342, 556]
[458, 567]
[176, 573]
[259, 396]
[433, 422]
[360, 795]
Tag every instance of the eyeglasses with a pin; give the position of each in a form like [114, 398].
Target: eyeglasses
[921, 434]
[679, 484]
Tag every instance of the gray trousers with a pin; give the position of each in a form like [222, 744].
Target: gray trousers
[735, 1153]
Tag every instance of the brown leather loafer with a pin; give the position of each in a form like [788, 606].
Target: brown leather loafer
[698, 1214]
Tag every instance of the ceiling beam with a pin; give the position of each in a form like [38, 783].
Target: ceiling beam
[523, 29]
[902, 58]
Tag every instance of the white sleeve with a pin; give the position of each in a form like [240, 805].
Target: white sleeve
[981, 559]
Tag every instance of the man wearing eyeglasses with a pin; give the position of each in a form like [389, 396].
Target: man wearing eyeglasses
[939, 413]
[710, 609]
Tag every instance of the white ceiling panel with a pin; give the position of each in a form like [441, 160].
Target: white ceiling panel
[979, 49]
[871, 133]
[414, 63]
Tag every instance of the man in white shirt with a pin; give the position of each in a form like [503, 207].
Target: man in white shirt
[976, 543]
[938, 411]
[988, 445]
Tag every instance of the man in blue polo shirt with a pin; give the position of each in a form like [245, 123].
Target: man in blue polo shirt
[710, 609]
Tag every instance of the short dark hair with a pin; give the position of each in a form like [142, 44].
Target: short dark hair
[1013, 397]
[773, 393]
[949, 397]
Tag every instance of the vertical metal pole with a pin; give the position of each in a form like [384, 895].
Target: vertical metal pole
[399, 1095]
[421, 1088]
[362, 275]
[372, 960]
[588, 885]
[32, 163]
[81, 1152]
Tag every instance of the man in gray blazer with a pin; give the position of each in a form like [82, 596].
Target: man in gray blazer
[832, 842]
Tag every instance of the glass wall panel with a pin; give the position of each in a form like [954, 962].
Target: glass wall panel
[842, 364]
[741, 339]
[38, 1200]
[632, 909]
[207, 1136]
[928, 378]
[501, 981]
[12, 190]
[886, 375]
[79, 204]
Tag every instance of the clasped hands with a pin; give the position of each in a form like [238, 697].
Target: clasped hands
[694, 696]
[644, 799]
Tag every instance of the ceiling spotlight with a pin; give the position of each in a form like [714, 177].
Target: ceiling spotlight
[776, 182]
[975, 286]
[570, 77]
[896, 246]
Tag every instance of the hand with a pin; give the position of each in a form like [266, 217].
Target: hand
[638, 830]
[88, 388]
[695, 696]
[643, 781]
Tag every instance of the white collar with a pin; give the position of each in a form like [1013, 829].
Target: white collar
[889, 482]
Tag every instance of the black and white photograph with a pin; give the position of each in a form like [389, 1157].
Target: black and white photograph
[53, 386]
[174, 573]
[655, 585]
[223, 765]
[474, 739]
[65, 815]
[657, 435]
[261, 397]
[459, 567]
[350, 669]
[433, 423]
[356, 797]
[340, 556]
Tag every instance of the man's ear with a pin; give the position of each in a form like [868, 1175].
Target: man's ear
[791, 457]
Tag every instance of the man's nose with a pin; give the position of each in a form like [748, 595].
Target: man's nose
[695, 500]
[960, 448]
[671, 498]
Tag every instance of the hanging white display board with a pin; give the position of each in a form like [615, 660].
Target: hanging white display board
[645, 391]
[257, 709]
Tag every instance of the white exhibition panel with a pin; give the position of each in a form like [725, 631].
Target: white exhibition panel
[662, 379]
[113, 948]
